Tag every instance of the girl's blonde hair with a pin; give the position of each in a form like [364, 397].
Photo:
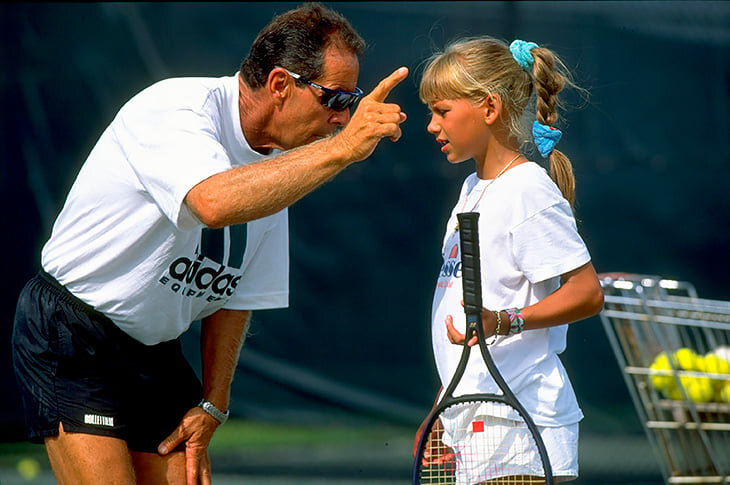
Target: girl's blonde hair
[477, 68]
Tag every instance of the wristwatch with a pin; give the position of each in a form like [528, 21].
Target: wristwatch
[209, 408]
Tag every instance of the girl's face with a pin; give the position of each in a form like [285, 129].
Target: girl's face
[460, 127]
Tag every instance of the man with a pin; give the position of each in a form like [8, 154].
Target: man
[134, 256]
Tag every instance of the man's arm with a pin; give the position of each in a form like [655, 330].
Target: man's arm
[222, 336]
[221, 340]
[253, 191]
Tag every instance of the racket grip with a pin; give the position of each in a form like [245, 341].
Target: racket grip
[470, 267]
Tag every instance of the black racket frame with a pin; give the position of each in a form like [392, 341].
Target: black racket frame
[472, 289]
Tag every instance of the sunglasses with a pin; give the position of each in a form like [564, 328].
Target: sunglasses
[333, 99]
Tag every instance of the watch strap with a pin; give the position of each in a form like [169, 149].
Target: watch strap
[210, 408]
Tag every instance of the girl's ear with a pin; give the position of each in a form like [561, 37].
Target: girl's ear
[492, 108]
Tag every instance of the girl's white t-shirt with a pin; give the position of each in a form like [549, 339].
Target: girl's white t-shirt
[126, 243]
[528, 238]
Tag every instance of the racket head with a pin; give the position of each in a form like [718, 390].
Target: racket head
[475, 439]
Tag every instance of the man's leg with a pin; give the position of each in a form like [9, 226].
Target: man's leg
[79, 458]
[152, 469]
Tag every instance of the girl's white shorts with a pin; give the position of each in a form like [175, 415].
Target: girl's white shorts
[561, 444]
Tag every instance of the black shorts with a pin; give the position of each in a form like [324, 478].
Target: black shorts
[75, 366]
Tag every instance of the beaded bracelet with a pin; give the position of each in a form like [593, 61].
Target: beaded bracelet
[496, 330]
[516, 321]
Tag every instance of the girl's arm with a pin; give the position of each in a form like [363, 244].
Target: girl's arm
[579, 296]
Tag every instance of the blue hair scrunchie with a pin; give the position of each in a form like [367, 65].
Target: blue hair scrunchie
[521, 52]
[546, 137]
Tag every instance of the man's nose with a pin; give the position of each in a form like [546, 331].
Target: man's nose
[340, 118]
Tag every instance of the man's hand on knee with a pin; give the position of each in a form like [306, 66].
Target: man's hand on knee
[195, 431]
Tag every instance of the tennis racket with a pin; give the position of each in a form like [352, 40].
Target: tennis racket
[479, 438]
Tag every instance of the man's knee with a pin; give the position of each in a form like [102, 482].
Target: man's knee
[155, 468]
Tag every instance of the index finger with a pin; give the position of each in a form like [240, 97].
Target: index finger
[384, 87]
[171, 442]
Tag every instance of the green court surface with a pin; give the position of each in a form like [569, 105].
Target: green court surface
[256, 453]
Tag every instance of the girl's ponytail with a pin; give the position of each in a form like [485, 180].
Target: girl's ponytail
[548, 81]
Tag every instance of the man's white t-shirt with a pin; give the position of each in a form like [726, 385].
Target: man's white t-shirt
[126, 243]
[528, 238]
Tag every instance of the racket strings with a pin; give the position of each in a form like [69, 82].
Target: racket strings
[481, 443]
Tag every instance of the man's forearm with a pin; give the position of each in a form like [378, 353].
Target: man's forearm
[222, 336]
[254, 191]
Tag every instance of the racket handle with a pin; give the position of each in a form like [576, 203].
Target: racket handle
[470, 267]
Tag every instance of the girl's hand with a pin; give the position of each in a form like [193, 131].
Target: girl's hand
[489, 324]
[456, 337]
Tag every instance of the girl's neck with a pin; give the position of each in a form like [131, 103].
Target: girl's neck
[495, 161]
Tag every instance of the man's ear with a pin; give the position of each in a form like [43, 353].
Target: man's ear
[279, 85]
[492, 108]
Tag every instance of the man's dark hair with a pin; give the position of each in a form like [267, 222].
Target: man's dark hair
[296, 40]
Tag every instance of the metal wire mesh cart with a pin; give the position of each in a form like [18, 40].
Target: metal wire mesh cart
[674, 352]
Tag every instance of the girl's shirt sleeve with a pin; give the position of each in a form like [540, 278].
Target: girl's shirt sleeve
[547, 243]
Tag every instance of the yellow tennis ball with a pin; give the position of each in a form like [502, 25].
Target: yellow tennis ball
[699, 389]
[686, 359]
[712, 364]
[674, 393]
[28, 468]
[660, 381]
[724, 393]
[715, 364]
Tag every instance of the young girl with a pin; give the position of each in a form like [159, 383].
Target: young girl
[536, 271]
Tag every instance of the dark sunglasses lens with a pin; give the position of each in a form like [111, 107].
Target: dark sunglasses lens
[341, 101]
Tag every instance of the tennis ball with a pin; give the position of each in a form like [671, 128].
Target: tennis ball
[686, 359]
[713, 364]
[28, 468]
[698, 389]
[724, 394]
[659, 381]
[674, 393]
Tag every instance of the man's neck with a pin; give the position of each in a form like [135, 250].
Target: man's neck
[255, 112]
